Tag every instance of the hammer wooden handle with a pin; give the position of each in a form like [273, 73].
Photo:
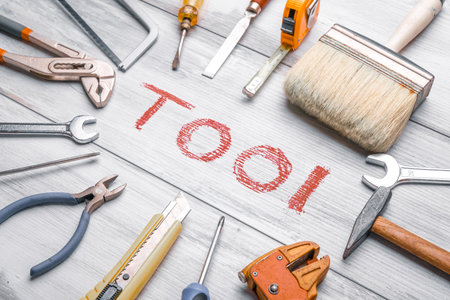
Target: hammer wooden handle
[438, 257]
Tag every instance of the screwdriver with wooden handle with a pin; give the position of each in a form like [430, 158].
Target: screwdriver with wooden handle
[253, 10]
[197, 291]
[188, 18]
[298, 18]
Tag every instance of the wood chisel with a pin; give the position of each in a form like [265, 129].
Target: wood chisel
[253, 10]
[129, 276]
[187, 16]
[298, 18]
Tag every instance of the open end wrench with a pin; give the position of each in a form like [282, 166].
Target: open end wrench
[397, 174]
[72, 129]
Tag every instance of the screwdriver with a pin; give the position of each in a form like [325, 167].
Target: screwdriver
[188, 18]
[298, 18]
[197, 291]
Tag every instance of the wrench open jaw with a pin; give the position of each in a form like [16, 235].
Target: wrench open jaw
[76, 129]
[397, 174]
[393, 171]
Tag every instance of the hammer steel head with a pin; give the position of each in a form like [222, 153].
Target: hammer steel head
[393, 171]
[366, 218]
[77, 132]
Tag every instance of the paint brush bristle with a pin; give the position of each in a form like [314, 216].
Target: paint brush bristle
[353, 91]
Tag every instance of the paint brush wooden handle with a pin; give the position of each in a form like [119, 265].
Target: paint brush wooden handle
[438, 257]
[418, 18]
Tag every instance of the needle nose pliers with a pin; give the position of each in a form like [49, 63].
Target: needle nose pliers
[93, 196]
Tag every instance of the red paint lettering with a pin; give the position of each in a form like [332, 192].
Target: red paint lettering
[161, 100]
[275, 155]
[185, 135]
[298, 200]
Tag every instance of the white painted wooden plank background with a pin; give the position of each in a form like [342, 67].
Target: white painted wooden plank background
[376, 269]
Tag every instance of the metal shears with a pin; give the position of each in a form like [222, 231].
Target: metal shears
[96, 76]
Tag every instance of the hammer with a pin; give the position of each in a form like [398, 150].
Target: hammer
[370, 220]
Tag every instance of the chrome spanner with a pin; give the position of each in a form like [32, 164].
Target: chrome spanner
[72, 129]
[397, 174]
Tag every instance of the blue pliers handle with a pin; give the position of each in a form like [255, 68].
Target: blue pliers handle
[94, 197]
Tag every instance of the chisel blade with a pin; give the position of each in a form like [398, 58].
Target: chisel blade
[229, 44]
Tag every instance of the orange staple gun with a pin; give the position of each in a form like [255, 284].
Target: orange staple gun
[287, 273]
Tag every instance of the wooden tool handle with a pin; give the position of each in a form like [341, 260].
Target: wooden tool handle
[261, 3]
[412, 243]
[418, 18]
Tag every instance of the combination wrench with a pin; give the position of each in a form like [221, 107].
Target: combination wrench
[397, 174]
[72, 129]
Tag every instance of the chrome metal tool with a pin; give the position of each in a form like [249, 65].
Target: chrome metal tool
[129, 276]
[49, 163]
[196, 290]
[72, 129]
[253, 10]
[97, 77]
[135, 11]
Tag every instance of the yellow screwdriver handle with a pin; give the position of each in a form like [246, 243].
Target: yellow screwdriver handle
[190, 11]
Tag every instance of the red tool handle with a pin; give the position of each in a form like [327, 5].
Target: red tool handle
[261, 3]
[1, 56]
[14, 28]
[438, 257]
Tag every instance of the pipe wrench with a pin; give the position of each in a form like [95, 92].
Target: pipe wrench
[97, 77]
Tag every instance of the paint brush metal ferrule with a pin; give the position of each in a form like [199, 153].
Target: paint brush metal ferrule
[389, 63]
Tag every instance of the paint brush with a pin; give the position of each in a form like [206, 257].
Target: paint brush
[365, 91]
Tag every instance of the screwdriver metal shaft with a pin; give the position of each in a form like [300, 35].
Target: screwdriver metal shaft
[211, 250]
[198, 290]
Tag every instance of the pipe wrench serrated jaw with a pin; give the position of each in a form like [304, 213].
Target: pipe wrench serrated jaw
[288, 272]
[100, 86]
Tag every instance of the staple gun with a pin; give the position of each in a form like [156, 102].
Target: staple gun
[287, 273]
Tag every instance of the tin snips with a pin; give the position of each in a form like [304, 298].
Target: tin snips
[287, 273]
[97, 77]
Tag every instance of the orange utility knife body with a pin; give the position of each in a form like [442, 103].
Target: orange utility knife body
[299, 16]
[287, 273]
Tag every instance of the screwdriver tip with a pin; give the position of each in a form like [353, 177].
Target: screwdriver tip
[176, 62]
